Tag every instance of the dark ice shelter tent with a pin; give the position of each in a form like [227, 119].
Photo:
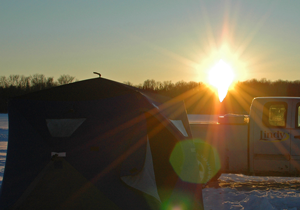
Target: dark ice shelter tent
[96, 144]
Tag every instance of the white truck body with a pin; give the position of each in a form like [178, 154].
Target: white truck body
[267, 142]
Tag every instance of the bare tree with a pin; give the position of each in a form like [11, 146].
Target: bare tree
[25, 82]
[38, 82]
[149, 84]
[13, 80]
[128, 83]
[50, 82]
[65, 79]
[3, 82]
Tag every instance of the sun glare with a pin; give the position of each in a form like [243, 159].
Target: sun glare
[221, 77]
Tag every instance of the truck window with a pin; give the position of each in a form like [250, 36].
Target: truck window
[275, 114]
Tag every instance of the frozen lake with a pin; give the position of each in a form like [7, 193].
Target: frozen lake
[232, 191]
[3, 121]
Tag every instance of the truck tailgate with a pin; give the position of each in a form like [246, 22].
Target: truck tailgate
[231, 142]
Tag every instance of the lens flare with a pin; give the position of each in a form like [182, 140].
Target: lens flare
[184, 161]
[195, 161]
[208, 160]
[179, 201]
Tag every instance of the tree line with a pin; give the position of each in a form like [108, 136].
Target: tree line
[15, 85]
[198, 97]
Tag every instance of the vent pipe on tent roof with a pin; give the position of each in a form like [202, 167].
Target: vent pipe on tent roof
[97, 73]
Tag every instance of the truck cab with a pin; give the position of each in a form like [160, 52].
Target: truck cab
[265, 142]
[274, 136]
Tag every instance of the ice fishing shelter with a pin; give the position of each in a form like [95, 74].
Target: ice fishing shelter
[95, 144]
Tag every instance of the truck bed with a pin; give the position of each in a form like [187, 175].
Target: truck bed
[231, 142]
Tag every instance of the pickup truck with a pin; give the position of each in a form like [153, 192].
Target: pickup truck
[266, 142]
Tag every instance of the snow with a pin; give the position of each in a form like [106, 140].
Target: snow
[231, 191]
[3, 148]
[3, 121]
[237, 191]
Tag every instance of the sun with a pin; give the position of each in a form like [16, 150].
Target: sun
[221, 77]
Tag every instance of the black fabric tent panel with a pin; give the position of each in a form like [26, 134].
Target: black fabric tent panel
[92, 89]
[110, 143]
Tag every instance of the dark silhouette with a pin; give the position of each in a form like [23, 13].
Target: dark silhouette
[16, 85]
[65, 79]
[97, 73]
[198, 98]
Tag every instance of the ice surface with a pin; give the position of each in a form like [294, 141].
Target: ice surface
[3, 121]
[237, 191]
[3, 148]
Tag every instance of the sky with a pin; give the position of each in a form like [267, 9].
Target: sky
[136, 40]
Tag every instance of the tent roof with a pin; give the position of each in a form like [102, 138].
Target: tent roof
[90, 89]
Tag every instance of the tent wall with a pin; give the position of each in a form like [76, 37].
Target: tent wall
[69, 146]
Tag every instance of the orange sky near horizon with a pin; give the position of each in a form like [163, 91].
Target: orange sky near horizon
[135, 41]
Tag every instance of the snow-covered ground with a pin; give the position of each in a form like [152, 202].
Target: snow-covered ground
[3, 121]
[3, 142]
[3, 146]
[232, 191]
[237, 191]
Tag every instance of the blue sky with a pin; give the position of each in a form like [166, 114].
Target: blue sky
[139, 40]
